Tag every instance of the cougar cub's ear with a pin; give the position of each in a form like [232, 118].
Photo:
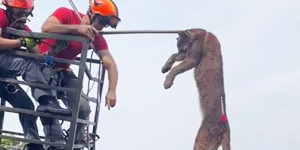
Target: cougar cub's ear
[183, 37]
[183, 41]
[183, 34]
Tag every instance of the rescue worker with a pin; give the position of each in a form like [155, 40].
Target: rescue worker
[15, 16]
[11, 66]
[101, 14]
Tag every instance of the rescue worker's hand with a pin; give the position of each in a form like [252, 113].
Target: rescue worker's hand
[110, 99]
[88, 31]
[27, 42]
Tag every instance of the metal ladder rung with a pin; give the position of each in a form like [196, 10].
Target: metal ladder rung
[82, 145]
[92, 99]
[39, 85]
[85, 122]
[35, 113]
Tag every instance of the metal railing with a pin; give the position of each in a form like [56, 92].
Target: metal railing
[73, 119]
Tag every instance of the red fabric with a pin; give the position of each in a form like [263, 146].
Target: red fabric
[223, 118]
[67, 16]
[3, 19]
[26, 28]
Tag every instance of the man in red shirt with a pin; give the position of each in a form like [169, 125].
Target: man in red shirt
[11, 66]
[102, 13]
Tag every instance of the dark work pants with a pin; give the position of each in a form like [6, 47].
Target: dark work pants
[21, 100]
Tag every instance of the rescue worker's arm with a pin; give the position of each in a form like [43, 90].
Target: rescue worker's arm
[53, 25]
[8, 43]
[112, 71]
[16, 43]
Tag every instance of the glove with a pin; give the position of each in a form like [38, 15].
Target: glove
[27, 42]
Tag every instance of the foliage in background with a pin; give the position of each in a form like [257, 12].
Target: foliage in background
[7, 144]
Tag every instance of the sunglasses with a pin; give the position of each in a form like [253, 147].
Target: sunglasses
[111, 21]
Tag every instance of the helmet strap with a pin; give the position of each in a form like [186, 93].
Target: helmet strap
[9, 12]
[31, 14]
[89, 14]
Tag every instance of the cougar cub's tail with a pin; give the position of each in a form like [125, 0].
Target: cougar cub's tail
[225, 137]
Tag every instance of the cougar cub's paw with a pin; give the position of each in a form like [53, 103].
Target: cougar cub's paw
[165, 68]
[168, 83]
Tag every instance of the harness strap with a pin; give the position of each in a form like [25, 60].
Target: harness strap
[57, 47]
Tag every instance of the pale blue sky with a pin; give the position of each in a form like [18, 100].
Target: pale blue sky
[259, 42]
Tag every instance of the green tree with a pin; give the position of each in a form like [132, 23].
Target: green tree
[7, 144]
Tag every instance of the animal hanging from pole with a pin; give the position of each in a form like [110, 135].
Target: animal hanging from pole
[201, 50]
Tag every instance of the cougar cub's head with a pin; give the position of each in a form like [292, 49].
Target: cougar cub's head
[183, 41]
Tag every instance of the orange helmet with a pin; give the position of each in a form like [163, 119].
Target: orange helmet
[104, 8]
[24, 4]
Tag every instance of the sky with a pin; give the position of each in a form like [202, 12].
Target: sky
[259, 43]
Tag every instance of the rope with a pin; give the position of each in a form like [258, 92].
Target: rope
[75, 9]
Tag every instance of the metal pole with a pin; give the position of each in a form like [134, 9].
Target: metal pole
[98, 103]
[2, 101]
[142, 32]
[80, 79]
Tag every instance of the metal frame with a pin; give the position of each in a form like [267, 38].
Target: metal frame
[73, 119]
[141, 32]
